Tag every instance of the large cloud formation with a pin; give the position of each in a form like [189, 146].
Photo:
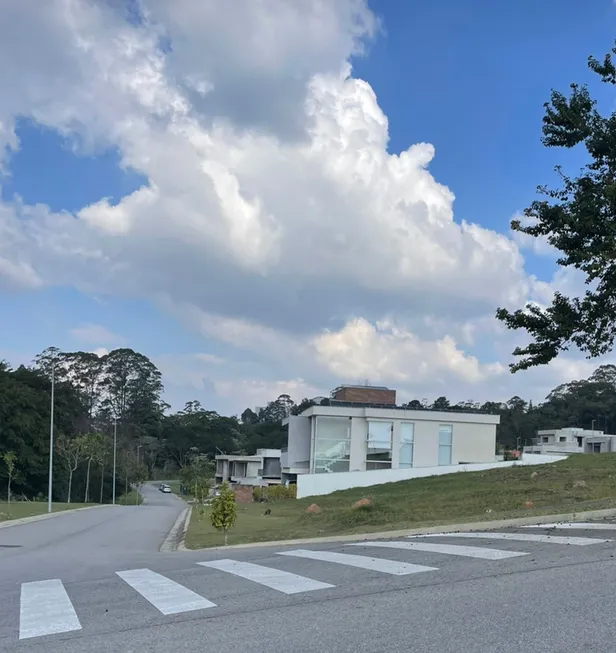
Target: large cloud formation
[273, 218]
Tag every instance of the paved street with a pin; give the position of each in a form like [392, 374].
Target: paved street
[529, 589]
[80, 545]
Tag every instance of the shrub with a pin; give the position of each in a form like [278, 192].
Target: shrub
[224, 510]
[273, 493]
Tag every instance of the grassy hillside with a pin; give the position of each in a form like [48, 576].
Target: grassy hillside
[581, 482]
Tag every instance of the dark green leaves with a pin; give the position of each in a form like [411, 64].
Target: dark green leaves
[579, 220]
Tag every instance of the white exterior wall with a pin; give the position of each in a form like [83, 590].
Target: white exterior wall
[309, 485]
[473, 443]
[359, 434]
[298, 442]
[473, 435]
[252, 469]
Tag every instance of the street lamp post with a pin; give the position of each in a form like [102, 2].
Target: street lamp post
[53, 388]
[115, 450]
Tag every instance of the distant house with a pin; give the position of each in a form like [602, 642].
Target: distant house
[263, 468]
[352, 434]
[571, 440]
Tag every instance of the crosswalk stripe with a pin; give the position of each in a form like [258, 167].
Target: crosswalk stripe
[283, 581]
[521, 537]
[164, 594]
[363, 562]
[590, 526]
[46, 609]
[447, 549]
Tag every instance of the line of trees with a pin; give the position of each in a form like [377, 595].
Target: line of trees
[97, 395]
[586, 403]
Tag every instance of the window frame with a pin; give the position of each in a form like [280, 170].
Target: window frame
[318, 461]
[442, 447]
[406, 443]
[372, 463]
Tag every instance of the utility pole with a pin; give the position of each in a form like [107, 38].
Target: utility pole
[115, 451]
[53, 389]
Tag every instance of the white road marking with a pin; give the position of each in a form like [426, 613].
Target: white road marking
[590, 526]
[363, 562]
[282, 581]
[521, 537]
[448, 549]
[164, 594]
[46, 609]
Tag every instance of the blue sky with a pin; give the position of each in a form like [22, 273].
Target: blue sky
[469, 78]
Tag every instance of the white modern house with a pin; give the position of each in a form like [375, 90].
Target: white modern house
[571, 440]
[263, 468]
[328, 445]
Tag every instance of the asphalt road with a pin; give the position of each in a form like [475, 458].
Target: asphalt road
[86, 543]
[121, 595]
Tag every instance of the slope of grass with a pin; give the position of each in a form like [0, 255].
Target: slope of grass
[20, 509]
[581, 482]
[133, 498]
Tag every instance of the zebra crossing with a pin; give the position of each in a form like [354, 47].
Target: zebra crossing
[46, 607]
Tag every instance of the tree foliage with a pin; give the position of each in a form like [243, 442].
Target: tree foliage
[578, 219]
[87, 392]
[10, 462]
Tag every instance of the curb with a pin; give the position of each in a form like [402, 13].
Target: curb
[426, 530]
[28, 520]
[182, 542]
[177, 534]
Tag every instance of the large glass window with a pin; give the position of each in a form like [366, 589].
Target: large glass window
[378, 449]
[332, 445]
[407, 435]
[445, 437]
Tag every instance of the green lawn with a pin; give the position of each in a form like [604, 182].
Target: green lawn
[581, 482]
[19, 509]
[133, 498]
[175, 487]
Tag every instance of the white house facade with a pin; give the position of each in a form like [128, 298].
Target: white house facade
[571, 440]
[263, 468]
[337, 439]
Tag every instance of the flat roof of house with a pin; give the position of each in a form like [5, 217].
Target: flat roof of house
[361, 404]
[363, 387]
[349, 409]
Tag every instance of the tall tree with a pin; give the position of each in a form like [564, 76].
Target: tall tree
[10, 461]
[132, 384]
[277, 410]
[85, 371]
[70, 451]
[579, 220]
[441, 403]
[414, 404]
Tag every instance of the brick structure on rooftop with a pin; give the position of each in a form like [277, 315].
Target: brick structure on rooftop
[365, 394]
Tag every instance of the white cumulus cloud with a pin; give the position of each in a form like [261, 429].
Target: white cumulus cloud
[273, 219]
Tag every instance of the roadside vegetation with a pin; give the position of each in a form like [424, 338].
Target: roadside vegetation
[133, 498]
[581, 482]
[21, 509]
